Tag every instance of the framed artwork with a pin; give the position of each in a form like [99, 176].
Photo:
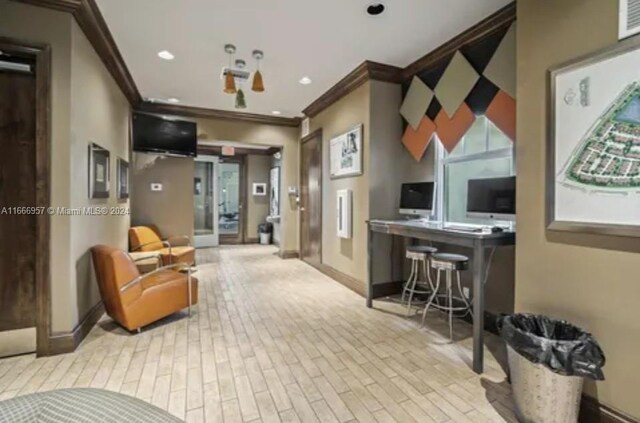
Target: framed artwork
[123, 179]
[274, 193]
[260, 189]
[99, 171]
[593, 163]
[346, 154]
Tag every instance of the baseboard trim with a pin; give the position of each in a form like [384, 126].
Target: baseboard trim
[69, 341]
[592, 411]
[289, 254]
[342, 278]
[251, 240]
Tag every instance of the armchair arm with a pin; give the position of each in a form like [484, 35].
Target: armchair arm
[183, 237]
[139, 279]
[164, 243]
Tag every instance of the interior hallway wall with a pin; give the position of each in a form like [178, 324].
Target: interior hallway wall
[258, 167]
[586, 279]
[348, 256]
[172, 209]
[86, 106]
[276, 136]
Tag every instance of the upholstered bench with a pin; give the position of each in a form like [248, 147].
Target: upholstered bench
[81, 405]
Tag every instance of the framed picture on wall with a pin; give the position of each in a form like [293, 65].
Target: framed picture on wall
[259, 189]
[274, 192]
[99, 171]
[123, 179]
[593, 165]
[346, 154]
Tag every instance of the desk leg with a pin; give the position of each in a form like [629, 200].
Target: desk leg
[369, 268]
[478, 307]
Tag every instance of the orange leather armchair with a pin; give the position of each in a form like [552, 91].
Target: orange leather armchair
[135, 300]
[147, 238]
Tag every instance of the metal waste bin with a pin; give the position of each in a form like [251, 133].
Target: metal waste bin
[265, 238]
[548, 361]
[541, 395]
[264, 232]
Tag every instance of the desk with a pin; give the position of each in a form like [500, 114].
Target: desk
[435, 232]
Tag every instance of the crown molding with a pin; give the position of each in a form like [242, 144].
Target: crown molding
[502, 18]
[367, 71]
[201, 112]
[88, 16]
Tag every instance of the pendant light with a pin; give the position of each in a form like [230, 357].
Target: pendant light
[229, 80]
[258, 84]
[241, 102]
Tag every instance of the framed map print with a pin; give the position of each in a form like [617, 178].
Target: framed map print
[593, 164]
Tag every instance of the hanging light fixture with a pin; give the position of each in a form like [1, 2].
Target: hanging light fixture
[229, 80]
[258, 83]
[241, 102]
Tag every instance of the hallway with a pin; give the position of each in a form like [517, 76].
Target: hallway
[275, 340]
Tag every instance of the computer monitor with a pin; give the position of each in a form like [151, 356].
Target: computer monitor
[492, 198]
[417, 198]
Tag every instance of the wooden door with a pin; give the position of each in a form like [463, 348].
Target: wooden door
[18, 300]
[311, 198]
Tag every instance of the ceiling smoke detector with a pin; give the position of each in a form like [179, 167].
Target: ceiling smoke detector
[375, 9]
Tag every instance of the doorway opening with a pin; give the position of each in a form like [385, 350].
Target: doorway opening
[25, 74]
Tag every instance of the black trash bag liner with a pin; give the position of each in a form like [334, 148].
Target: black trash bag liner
[556, 344]
[265, 228]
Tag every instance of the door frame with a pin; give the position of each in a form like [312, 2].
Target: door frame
[242, 192]
[42, 55]
[215, 160]
[315, 134]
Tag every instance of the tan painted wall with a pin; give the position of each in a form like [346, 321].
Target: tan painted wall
[86, 105]
[277, 136]
[349, 256]
[588, 280]
[258, 167]
[171, 209]
[100, 113]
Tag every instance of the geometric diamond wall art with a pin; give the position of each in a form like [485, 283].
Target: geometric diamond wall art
[501, 67]
[416, 102]
[451, 130]
[456, 83]
[417, 141]
[502, 112]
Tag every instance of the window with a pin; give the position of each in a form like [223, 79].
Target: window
[484, 152]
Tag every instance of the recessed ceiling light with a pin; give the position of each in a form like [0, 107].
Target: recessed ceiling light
[166, 55]
[375, 9]
[305, 80]
[276, 112]
[173, 100]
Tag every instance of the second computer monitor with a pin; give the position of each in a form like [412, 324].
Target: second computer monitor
[417, 198]
[492, 198]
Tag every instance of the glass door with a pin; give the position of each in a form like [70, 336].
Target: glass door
[205, 195]
[230, 200]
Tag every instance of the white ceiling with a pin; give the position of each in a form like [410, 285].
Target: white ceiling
[322, 39]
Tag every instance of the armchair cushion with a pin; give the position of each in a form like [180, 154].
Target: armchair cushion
[178, 255]
[143, 238]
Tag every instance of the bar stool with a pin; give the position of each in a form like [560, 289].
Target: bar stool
[418, 254]
[448, 263]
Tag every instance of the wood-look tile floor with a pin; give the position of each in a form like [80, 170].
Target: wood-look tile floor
[275, 340]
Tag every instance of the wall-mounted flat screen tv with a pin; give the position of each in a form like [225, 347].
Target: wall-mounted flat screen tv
[154, 134]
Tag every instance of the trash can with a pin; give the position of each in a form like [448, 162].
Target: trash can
[264, 232]
[548, 361]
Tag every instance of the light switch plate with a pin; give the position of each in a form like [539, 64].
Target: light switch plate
[156, 187]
